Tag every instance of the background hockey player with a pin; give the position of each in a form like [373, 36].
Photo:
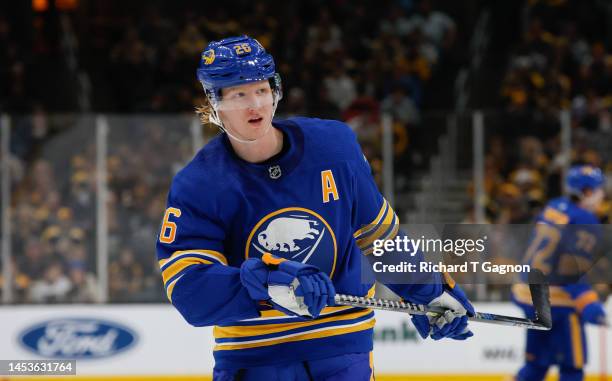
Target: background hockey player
[565, 237]
[301, 190]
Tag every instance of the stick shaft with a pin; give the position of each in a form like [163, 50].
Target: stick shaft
[420, 309]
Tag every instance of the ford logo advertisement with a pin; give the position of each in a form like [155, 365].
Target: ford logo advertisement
[78, 338]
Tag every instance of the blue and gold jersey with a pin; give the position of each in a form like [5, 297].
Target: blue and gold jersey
[562, 246]
[316, 203]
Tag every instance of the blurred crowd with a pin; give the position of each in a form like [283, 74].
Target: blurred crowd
[140, 55]
[144, 155]
[53, 217]
[338, 59]
[562, 63]
[54, 208]
[329, 53]
[343, 60]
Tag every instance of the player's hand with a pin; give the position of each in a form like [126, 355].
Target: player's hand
[450, 324]
[254, 277]
[292, 287]
[594, 313]
[300, 288]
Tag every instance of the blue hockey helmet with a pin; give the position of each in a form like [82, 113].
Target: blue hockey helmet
[581, 177]
[235, 61]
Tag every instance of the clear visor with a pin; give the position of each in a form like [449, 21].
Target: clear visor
[245, 97]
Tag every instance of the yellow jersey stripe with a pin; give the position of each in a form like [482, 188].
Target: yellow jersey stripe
[555, 216]
[309, 335]
[380, 229]
[393, 232]
[179, 265]
[280, 314]
[214, 254]
[189, 254]
[375, 227]
[585, 299]
[558, 296]
[270, 314]
[256, 330]
[371, 292]
[171, 288]
[374, 223]
[391, 235]
[576, 341]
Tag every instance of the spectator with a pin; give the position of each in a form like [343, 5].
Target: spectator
[84, 286]
[401, 107]
[437, 27]
[126, 277]
[53, 287]
[340, 87]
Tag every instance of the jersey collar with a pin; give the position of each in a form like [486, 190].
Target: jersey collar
[282, 165]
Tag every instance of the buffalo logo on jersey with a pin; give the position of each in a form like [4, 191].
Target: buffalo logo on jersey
[297, 234]
[208, 57]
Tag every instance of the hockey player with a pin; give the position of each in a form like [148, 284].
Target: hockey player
[298, 193]
[565, 236]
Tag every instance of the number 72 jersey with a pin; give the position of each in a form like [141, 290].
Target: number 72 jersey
[563, 246]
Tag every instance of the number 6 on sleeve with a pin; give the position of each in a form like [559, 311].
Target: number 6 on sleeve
[168, 228]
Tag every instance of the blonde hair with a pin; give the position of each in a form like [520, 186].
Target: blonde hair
[205, 112]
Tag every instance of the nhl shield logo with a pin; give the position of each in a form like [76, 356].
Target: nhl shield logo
[274, 172]
[297, 234]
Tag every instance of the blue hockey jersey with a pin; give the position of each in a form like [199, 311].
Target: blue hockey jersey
[562, 246]
[316, 203]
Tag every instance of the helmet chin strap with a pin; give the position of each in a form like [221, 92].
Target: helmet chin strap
[217, 120]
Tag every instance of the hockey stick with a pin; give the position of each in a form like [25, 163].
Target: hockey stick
[539, 295]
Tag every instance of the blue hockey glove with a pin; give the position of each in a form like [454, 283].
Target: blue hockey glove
[448, 325]
[292, 287]
[594, 313]
[254, 277]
